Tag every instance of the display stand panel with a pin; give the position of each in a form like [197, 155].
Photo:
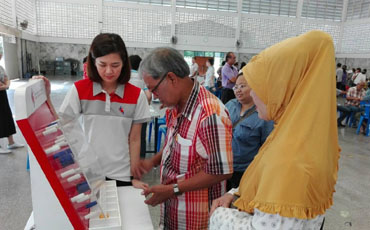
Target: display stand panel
[59, 164]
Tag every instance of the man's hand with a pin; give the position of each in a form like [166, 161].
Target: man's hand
[160, 193]
[47, 84]
[223, 201]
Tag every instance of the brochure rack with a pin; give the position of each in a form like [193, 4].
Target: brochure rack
[76, 186]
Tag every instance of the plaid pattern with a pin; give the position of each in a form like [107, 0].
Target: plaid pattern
[353, 92]
[197, 139]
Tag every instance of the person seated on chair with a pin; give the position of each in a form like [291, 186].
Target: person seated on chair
[249, 132]
[365, 99]
[354, 96]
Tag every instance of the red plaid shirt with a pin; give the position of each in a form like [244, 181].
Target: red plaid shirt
[197, 139]
[353, 92]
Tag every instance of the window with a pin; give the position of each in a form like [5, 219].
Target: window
[323, 9]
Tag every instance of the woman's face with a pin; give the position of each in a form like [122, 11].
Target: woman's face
[109, 67]
[242, 91]
[208, 64]
[260, 106]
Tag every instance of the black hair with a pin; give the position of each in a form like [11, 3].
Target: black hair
[211, 61]
[339, 64]
[135, 61]
[104, 44]
[228, 55]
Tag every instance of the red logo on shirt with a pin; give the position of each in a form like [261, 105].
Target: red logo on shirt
[121, 110]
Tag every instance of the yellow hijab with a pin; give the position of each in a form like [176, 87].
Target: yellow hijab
[295, 171]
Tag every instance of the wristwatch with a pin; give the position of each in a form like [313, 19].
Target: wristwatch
[176, 189]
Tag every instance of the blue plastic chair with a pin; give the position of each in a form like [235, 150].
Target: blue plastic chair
[161, 121]
[365, 116]
[28, 163]
[161, 130]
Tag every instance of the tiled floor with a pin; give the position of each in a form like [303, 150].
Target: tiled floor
[351, 209]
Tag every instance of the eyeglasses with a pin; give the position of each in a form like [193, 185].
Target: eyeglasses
[236, 87]
[157, 85]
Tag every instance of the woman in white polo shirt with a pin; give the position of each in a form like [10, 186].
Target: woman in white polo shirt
[113, 110]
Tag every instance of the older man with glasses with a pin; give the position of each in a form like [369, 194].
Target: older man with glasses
[196, 158]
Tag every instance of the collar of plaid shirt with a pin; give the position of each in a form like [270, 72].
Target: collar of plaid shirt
[189, 107]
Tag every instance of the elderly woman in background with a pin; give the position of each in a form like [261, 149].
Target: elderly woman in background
[290, 183]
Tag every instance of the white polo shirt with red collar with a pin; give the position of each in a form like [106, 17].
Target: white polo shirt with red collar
[107, 121]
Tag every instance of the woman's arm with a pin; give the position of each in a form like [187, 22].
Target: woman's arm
[6, 84]
[134, 147]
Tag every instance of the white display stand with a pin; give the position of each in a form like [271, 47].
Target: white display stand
[54, 205]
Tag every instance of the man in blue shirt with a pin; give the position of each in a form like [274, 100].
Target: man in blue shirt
[249, 132]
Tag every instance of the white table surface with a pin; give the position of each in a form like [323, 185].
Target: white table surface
[134, 212]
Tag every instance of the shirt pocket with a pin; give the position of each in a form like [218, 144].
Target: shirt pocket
[183, 146]
[242, 132]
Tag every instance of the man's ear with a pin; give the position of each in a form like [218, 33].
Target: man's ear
[173, 78]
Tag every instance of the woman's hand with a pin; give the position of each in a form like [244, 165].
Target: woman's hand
[223, 201]
[143, 167]
[47, 84]
[139, 184]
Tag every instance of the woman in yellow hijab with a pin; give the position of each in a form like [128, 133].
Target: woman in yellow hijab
[290, 183]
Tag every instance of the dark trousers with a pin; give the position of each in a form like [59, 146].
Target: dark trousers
[234, 181]
[143, 140]
[346, 111]
[120, 183]
[227, 95]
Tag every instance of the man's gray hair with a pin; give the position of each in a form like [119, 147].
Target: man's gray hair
[163, 60]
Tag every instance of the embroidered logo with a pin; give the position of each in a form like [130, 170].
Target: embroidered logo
[121, 110]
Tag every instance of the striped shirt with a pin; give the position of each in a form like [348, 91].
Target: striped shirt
[197, 139]
[353, 92]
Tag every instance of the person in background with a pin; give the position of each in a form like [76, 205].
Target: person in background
[135, 79]
[229, 74]
[219, 70]
[84, 61]
[249, 132]
[339, 75]
[7, 127]
[290, 183]
[194, 68]
[366, 99]
[138, 82]
[242, 65]
[354, 96]
[367, 93]
[359, 76]
[209, 81]
[196, 158]
[218, 84]
[344, 78]
[113, 111]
